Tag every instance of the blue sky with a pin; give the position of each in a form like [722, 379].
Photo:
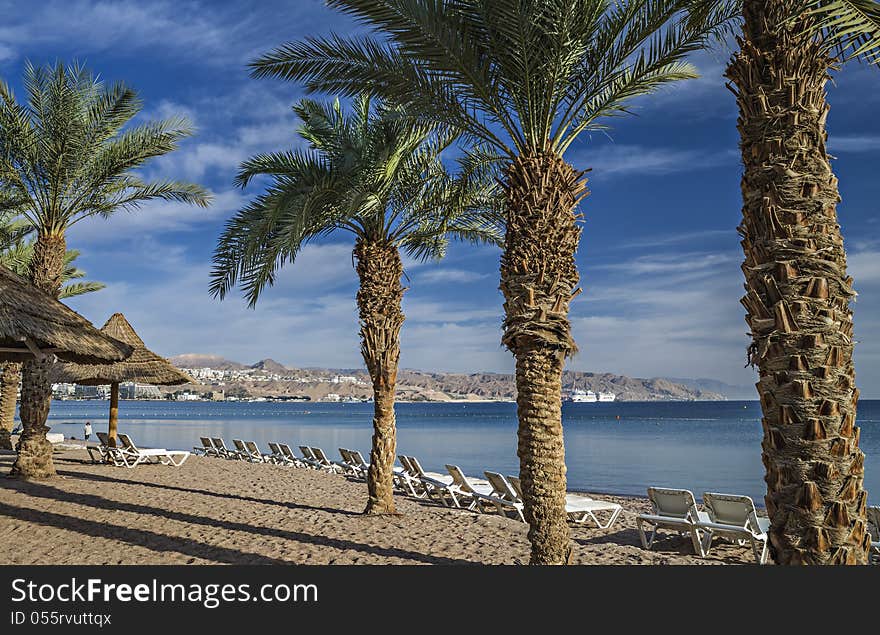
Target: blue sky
[659, 258]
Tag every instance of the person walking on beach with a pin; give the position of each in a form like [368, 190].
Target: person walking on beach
[87, 430]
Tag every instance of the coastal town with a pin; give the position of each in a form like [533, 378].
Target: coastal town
[218, 379]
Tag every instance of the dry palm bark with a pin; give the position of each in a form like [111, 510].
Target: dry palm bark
[34, 460]
[538, 278]
[798, 294]
[379, 300]
[10, 379]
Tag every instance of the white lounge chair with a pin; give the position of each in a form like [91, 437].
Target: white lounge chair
[276, 456]
[407, 479]
[468, 490]
[581, 507]
[673, 509]
[349, 467]
[254, 450]
[435, 485]
[361, 467]
[734, 517]
[874, 528]
[106, 453]
[503, 496]
[134, 456]
[222, 451]
[206, 449]
[290, 458]
[324, 463]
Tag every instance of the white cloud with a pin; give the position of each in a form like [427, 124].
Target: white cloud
[615, 160]
[204, 32]
[854, 143]
[443, 275]
[154, 217]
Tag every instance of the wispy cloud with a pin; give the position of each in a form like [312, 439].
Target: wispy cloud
[617, 160]
[444, 275]
[854, 143]
[208, 33]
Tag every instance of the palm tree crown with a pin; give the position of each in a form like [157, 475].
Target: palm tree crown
[70, 153]
[515, 75]
[376, 174]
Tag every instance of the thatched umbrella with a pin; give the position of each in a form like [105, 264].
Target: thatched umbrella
[33, 323]
[143, 366]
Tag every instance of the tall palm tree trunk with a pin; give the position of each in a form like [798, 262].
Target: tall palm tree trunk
[538, 276]
[34, 460]
[10, 379]
[113, 423]
[379, 301]
[797, 294]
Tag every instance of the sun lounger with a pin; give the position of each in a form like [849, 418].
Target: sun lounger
[224, 452]
[673, 509]
[346, 464]
[467, 490]
[581, 507]
[734, 517]
[276, 456]
[289, 457]
[352, 467]
[105, 452]
[242, 452]
[407, 479]
[254, 451]
[435, 486]
[134, 456]
[503, 496]
[206, 449]
[874, 528]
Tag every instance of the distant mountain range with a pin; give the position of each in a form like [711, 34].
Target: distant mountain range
[732, 392]
[416, 385]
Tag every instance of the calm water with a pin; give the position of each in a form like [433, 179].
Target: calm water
[703, 446]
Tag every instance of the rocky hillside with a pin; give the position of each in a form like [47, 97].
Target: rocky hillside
[270, 378]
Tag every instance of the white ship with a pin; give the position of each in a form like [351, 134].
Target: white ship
[583, 396]
[588, 396]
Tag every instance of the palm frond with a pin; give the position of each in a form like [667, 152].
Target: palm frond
[849, 28]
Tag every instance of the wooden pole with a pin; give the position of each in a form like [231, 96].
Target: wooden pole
[114, 413]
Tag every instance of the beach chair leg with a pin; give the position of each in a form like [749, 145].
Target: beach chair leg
[646, 543]
[697, 541]
[610, 521]
[760, 556]
[707, 543]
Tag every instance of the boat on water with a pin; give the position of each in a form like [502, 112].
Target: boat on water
[588, 396]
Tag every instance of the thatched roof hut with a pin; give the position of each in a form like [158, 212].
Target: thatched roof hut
[32, 321]
[143, 366]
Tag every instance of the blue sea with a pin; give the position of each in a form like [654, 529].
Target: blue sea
[616, 448]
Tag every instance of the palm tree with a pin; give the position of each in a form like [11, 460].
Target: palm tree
[67, 155]
[798, 291]
[379, 176]
[523, 79]
[15, 254]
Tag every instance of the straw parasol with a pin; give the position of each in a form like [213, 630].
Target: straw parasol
[143, 366]
[33, 323]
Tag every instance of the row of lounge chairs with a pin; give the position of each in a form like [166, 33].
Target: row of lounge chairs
[725, 516]
[498, 493]
[728, 516]
[127, 454]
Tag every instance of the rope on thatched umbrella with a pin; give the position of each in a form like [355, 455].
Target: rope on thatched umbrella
[142, 367]
[32, 323]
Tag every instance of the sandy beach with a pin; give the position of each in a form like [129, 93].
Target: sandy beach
[215, 511]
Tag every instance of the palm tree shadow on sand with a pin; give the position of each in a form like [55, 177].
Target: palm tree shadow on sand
[161, 542]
